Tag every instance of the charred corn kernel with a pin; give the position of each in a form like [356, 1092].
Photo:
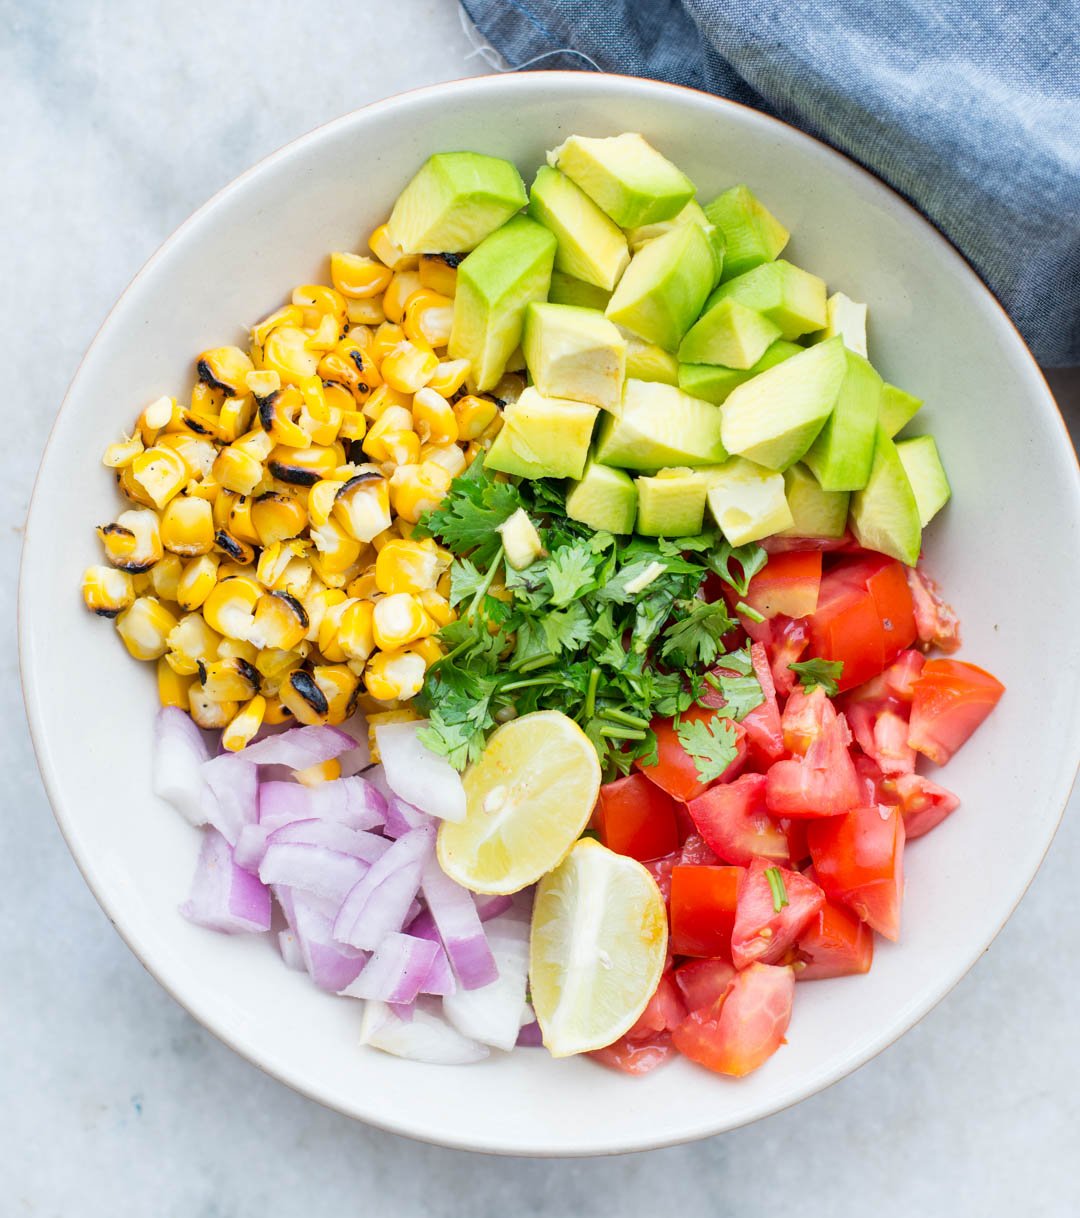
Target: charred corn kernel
[321, 500]
[416, 489]
[187, 527]
[262, 383]
[322, 430]
[201, 426]
[142, 583]
[382, 399]
[172, 687]
[225, 368]
[239, 551]
[314, 775]
[230, 607]
[287, 315]
[154, 419]
[399, 619]
[402, 286]
[273, 663]
[222, 506]
[235, 417]
[385, 339]
[207, 713]
[277, 517]
[316, 605]
[352, 364]
[337, 548]
[434, 418]
[283, 566]
[439, 272]
[340, 687]
[437, 607]
[368, 312]
[362, 506]
[286, 353]
[378, 719]
[392, 676]
[358, 277]
[229, 680]
[239, 524]
[354, 631]
[161, 472]
[232, 649]
[257, 443]
[406, 566]
[232, 570]
[428, 318]
[303, 697]
[244, 724]
[449, 376]
[318, 301]
[205, 488]
[191, 642]
[329, 627]
[450, 456]
[133, 542]
[338, 396]
[196, 453]
[122, 453]
[304, 466]
[197, 581]
[107, 591]
[408, 367]
[144, 627]
[280, 622]
[130, 489]
[429, 650]
[474, 415]
[206, 400]
[364, 586]
[165, 577]
[275, 712]
[394, 419]
[353, 425]
[389, 252]
[279, 415]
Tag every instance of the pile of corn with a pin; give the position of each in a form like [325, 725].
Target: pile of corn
[266, 562]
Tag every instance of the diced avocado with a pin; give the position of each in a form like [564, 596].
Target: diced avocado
[661, 292]
[521, 542]
[841, 456]
[625, 176]
[495, 284]
[543, 437]
[670, 504]
[885, 516]
[898, 408]
[922, 464]
[746, 501]
[515, 362]
[729, 334]
[659, 425]
[605, 499]
[575, 353]
[847, 318]
[692, 213]
[591, 247]
[774, 418]
[814, 512]
[648, 362]
[786, 294]
[752, 234]
[714, 384]
[565, 289]
[454, 202]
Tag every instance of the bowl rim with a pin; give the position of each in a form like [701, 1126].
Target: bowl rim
[812, 1083]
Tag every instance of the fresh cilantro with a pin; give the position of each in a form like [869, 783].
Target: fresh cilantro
[737, 661]
[749, 558]
[711, 744]
[741, 695]
[776, 887]
[570, 571]
[694, 637]
[468, 519]
[825, 673]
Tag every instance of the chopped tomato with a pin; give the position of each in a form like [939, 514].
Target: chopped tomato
[788, 584]
[871, 780]
[703, 903]
[761, 931]
[660, 870]
[804, 718]
[888, 588]
[764, 737]
[704, 982]
[900, 677]
[636, 818]
[648, 1043]
[859, 861]
[675, 770]
[697, 852]
[787, 641]
[636, 1056]
[824, 782]
[743, 1029]
[923, 803]
[882, 734]
[664, 1012]
[734, 821]
[936, 623]
[782, 545]
[795, 832]
[834, 943]
[951, 699]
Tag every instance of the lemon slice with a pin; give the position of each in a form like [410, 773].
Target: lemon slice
[526, 802]
[599, 940]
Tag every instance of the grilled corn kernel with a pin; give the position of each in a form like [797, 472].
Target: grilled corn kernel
[107, 591]
[257, 443]
[474, 416]
[225, 368]
[394, 675]
[154, 419]
[408, 367]
[399, 619]
[416, 489]
[273, 663]
[304, 698]
[133, 542]
[318, 301]
[340, 686]
[165, 577]
[304, 466]
[368, 312]
[239, 523]
[160, 472]
[232, 547]
[235, 417]
[207, 713]
[279, 415]
[187, 527]
[275, 712]
[284, 566]
[230, 680]
[172, 687]
[243, 726]
[280, 622]
[314, 775]
[230, 607]
[191, 642]
[277, 517]
[144, 626]
[286, 353]
[142, 583]
[450, 456]
[362, 506]
[321, 500]
[339, 397]
[382, 399]
[352, 367]
[196, 452]
[434, 418]
[197, 581]
[131, 490]
[437, 607]
[321, 430]
[353, 425]
[429, 650]
[449, 376]
[364, 587]
[439, 272]
[336, 548]
[389, 252]
[428, 318]
[122, 453]
[316, 605]
[262, 384]
[378, 719]
[329, 626]
[393, 420]
[358, 277]
[237, 649]
[354, 634]
[206, 400]
[385, 339]
[402, 286]
[287, 315]
[406, 566]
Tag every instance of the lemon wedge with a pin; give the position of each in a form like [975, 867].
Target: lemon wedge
[599, 940]
[526, 802]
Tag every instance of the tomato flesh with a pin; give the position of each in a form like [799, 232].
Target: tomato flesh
[733, 819]
[675, 771]
[824, 782]
[637, 818]
[788, 584]
[636, 1056]
[935, 621]
[704, 982]
[703, 901]
[951, 699]
[764, 736]
[923, 804]
[834, 943]
[859, 862]
[761, 931]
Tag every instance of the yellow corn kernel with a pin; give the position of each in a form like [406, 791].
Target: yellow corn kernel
[107, 591]
[428, 318]
[262, 384]
[161, 472]
[122, 453]
[240, 524]
[286, 353]
[225, 368]
[382, 399]
[232, 547]
[353, 425]
[303, 697]
[408, 367]
[416, 489]
[340, 687]
[399, 619]
[314, 775]
[393, 420]
[402, 286]
[277, 517]
[321, 430]
[197, 581]
[222, 507]
[385, 339]
[275, 712]
[439, 272]
[353, 365]
[392, 676]
[273, 663]
[235, 417]
[321, 500]
[337, 548]
[389, 253]
[133, 542]
[196, 452]
[165, 577]
[237, 649]
[474, 415]
[429, 650]
[316, 604]
[230, 680]
[378, 719]
[144, 627]
[367, 312]
[208, 714]
[406, 566]
[230, 607]
[154, 419]
[325, 335]
[172, 687]
[187, 527]
[206, 400]
[281, 562]
[304, 466]
[280, 622]
[232, 570]
[354, 633]
[191, 642]
[142, 583]
[437, 607]
[318, 301]
[450, 456]
[131, 490]
[288, 315]
[434, 418]
[362, 507]
[449, 376]
[243, 726]
[357, 277]
[338, 396]
[279, 414]
[257, 443]
[364, 586]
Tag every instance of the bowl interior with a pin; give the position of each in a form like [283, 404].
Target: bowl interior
[933, 330]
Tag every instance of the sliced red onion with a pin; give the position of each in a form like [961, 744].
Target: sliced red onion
[440, 978]
[297, 748]
[179, 753]
[379, 903]
[397, 971]
[361, 845]
[330, 965]
[351, 801]
[223, 896]
[232, 799]
[491, 1014]
[459, 927]
[358, 758]
[421, 777]
[401, 817]
[289, 946]
[313, 869]
[530, 1036]
[490, 906]
[403, 1010]
[425, 1038]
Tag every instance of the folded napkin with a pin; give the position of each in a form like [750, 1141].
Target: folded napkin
[969, 108]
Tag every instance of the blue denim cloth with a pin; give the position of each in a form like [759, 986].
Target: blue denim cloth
[969, 108]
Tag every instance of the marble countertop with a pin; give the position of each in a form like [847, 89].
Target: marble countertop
[115, 1101]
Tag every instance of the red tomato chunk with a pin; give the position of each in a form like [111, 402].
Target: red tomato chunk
[951, 699]
[859, 861]
[761, 931]
[834, 943]
[635, 817]
[703, 902]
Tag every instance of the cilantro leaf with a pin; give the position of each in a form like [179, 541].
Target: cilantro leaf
[825, 673]
[737, 661]
[465, 580]
[570, 571]
[750, 559]
[567, 629]
[711, 745]
[741, 695]
[468, 519]
[695, 637]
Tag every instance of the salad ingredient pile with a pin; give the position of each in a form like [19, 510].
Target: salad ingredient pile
[587, 517]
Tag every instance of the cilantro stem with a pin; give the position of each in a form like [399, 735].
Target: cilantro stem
[776, 887]
[747, 611]
[527, 684]
[590, 696]
[451, 655]
[489, 579]
[621, 733]
[541, 661]
[712, 679]
[618, 716]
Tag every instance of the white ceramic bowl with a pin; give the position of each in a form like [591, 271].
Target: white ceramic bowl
[1002, 549]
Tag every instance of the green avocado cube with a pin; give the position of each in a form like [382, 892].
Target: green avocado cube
[671, 503]
[843, 452]
[565, 289]
[752, 234]
[658, 426]
[604, 498]
[692, 213]
[574, 353]
[715, 383]
[495, 284]
[454, 202]
[746, 501]
[625, 176]
[791, 297]
[922, 464]
[729, 334]
[591, 247]
[885, 514]
[898, 408]
[543, 437]
[814, 512]
[648, 362]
